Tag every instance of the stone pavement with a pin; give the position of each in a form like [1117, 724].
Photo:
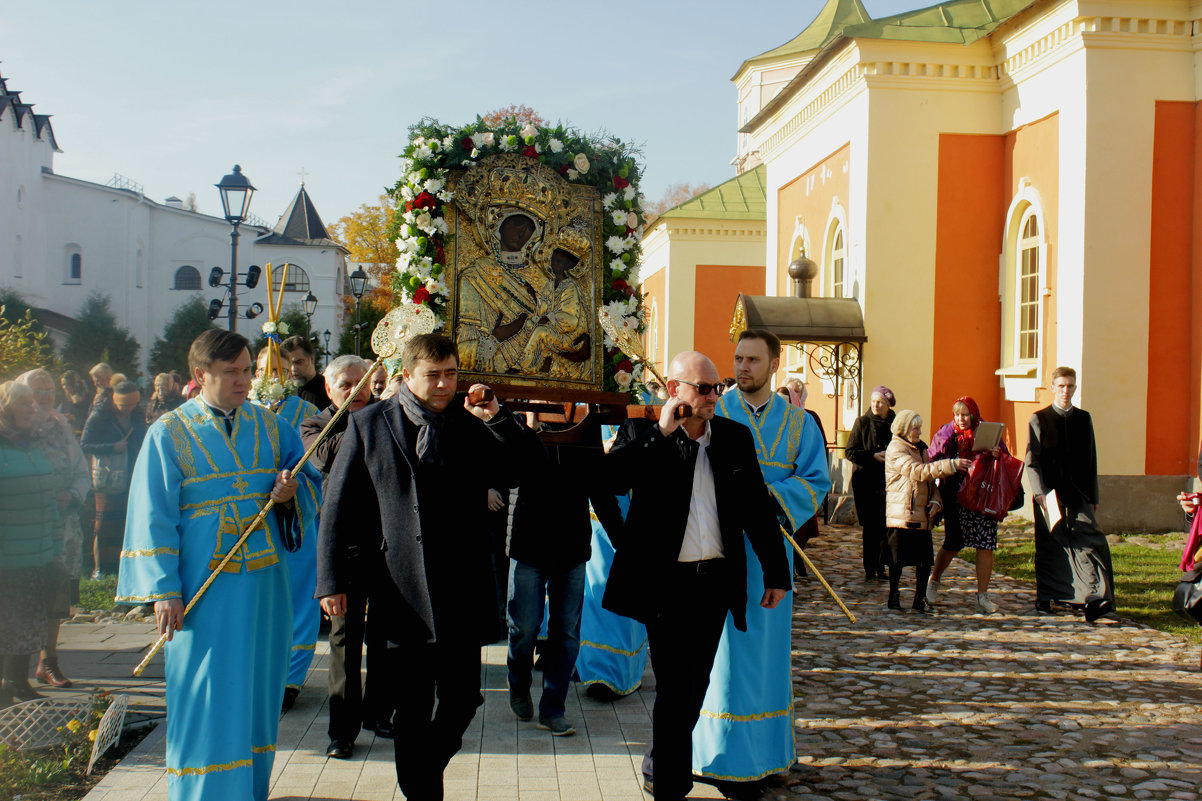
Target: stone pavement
[954, 704]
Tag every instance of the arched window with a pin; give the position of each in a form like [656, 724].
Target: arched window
[74, 265]
[1027, 292]
[297, 280]
[188, 278]
[837, 259]
[1024, 265]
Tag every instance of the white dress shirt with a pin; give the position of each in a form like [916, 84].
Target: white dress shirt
[702, 535]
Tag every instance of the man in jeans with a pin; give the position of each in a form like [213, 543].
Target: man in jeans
[548, 544]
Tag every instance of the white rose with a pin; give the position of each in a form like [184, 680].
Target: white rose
[581, 162]
[424, 221]
[268, 327]
[488, 138]
[281, 328]
[556, 145]
[623, 379]
[618, 216]
[529, 130]
[632, 220]
[572, 174]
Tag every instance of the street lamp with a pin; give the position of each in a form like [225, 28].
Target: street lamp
[236, 192]
[358, 284]
[326, 337]
[310, 308]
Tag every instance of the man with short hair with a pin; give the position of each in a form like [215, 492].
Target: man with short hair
[680, 564]
[351, 704]
[204, 472]
[743, 734]
[406, 501]
[297, 355]
[1072, 559]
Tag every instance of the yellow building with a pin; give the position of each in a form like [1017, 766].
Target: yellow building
[1004, 186]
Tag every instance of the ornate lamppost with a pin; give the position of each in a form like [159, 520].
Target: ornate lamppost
[236, 192]
[358, 284]
[310, 309]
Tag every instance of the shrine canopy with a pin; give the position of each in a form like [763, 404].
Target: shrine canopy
[801, 320]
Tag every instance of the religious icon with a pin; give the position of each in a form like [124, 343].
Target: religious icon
[524, 264]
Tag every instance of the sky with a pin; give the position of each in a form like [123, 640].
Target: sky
[172, 95]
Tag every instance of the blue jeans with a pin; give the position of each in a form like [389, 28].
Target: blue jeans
[531, 587]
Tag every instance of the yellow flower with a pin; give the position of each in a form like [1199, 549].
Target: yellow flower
[74, 726]
[92, 736]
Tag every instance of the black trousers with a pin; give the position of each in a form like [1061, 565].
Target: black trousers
[683, 641]
[351, 700]
[426, 739]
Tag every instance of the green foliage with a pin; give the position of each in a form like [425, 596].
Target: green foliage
[369, 315]
[23, 345]
[98, 594]
[170, 351]
[62, 764]
[293, 315]
[98, 338]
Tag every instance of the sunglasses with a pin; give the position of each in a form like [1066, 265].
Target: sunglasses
[704, 389]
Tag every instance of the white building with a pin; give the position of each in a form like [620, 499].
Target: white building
[62, 239]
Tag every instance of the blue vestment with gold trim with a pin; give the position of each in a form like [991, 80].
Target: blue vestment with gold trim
[745, 731]
[193, 489]
[613, 649]
[302, 563]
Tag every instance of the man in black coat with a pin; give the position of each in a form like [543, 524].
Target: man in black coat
[680, 565]
[1072, 559]
[407, 493]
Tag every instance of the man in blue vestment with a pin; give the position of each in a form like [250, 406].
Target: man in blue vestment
[745, 731]
[302, 563]
[204, 472]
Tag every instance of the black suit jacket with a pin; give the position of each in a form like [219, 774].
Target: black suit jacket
[658, 472]
[371, 510]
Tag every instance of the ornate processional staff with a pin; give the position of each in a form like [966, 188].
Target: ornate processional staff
[628, 340]
[387, 340]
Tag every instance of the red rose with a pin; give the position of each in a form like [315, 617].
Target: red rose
[467, 143]
[624, 366]
[530, 151]
[421, 295]
[439, 255]
[629, 230]
[629, 290]
[619, 285]
[425, 201]
[620, 182]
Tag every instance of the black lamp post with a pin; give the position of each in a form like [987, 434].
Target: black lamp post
[236, 192]
[326, 338]
[310, 309]
[358, 284]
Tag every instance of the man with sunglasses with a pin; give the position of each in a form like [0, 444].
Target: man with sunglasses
[680, 563]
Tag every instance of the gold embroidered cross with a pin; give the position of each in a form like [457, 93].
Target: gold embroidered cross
[241, 484]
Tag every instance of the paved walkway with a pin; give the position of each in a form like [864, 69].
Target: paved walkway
[952, 705]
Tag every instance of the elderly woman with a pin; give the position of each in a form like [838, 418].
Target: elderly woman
[29, 506]
[165, 398]
[963, 528]
[911, 502]
[865, 449]
[112, 437]
[73, 480]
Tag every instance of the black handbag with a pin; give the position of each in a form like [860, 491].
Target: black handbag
[1187, 598]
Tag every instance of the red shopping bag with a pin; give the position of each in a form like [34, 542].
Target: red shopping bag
[991, 484]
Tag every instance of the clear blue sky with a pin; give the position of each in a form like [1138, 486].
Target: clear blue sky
[171, 95]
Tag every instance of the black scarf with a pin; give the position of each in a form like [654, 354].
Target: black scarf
[431, 427]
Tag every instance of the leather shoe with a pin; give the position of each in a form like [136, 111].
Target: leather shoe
[48, 672]
[290, 696]
[741, 791]
[340, 749]
[1044, 607]
[382, 728]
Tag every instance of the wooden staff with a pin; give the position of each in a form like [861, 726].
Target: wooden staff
[258, 519]
[818, 575]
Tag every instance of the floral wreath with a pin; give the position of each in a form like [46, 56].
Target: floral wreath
[604, 162]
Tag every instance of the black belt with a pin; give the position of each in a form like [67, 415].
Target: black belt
[702, 566]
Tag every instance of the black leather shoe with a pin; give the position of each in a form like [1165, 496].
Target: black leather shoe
[894, 601]
[1096, 609]
[290, 696]
[1043, 607]
[382, 728]
[340, 749]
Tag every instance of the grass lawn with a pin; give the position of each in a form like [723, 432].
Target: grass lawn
[97, 594]
[1146, 571]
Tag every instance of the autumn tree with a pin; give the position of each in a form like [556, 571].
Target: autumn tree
[523, 114]
[673, 196]
[365, 234]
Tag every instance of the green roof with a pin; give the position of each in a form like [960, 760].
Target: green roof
[741, 198]
[830, 22]
[954, 21]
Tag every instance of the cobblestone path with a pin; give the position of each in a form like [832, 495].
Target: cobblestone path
[961, 705]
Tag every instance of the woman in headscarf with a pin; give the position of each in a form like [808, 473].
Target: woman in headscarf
[865, 449]
[72, 477]
[963, 528]
[911, 502]
[29, 507]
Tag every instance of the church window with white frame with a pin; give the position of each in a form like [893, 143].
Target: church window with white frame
[837, 259]
[1027, 291]
[1022, 287]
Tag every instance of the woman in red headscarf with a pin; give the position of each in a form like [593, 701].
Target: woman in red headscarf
[963, 528]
